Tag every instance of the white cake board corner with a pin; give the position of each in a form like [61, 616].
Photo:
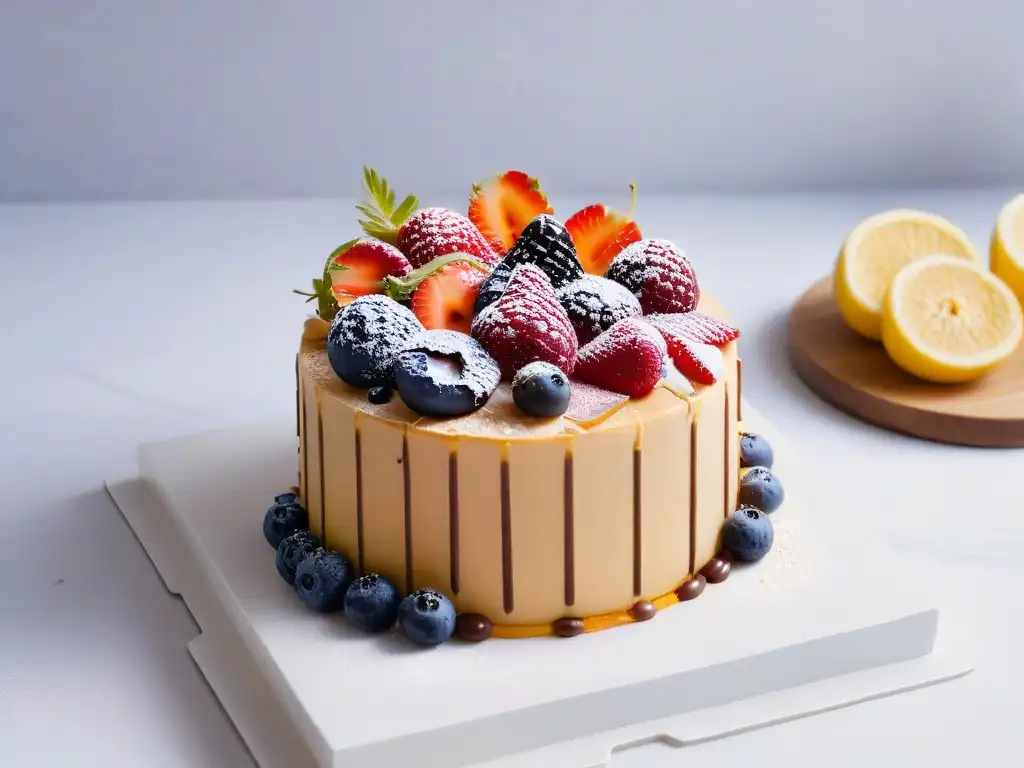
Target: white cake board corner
[792, 636]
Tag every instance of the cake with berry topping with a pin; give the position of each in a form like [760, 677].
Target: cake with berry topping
[513, 427]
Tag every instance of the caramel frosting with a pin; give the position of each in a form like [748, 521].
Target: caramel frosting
[524, 521]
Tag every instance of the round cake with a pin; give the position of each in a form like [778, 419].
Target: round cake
[531, 426]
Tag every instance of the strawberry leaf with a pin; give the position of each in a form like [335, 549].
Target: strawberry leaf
[401, 288]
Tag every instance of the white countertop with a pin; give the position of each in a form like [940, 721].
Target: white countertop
[129, 322]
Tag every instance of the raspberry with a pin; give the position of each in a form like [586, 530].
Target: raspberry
[627, 358]
[526, 324]
[658, 274]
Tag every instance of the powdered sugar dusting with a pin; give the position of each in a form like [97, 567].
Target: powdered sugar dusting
[709, 357]
[366, 336]
[627, 358]
[658, 274]
[433, 232]
[694, 326]
[527, 324]
[471, 366]
[594, 304]
[590, 405]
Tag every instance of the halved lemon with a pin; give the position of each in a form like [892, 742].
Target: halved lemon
[876, 250]
[1006, 254]
[946, 319]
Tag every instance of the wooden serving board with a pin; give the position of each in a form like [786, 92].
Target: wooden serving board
[857, 376]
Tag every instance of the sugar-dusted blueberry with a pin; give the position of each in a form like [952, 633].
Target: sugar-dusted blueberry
[365, 337]
[594, 304]
[755, 451]
[541, 389]
[322, 579]
[371, 603]
[284, 517]
[445, 373]
[759, 487]
[427, 617]
[292, 550]
[748, 534]
[379, 395]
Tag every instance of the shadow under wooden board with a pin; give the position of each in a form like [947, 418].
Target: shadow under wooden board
[857, 376]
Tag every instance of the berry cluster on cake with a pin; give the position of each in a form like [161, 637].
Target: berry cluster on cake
[514, 427]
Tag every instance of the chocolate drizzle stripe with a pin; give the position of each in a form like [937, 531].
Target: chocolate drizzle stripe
[298, 401]
[727, 438]
[323, 481]
[739, 389]
[506, 539]
[453, 521]
[407, 494]
[304, 447]
[359, 501]
[570, 532]
[693, 493]
[637, 514]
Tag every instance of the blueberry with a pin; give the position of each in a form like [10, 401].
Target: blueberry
[379, 395]
[322, 579]
[445, 373]
[427, 617]
[762, 489]
[755, 451]
[371, 603]
[284, 517]
[541, 389]
[748, 534]
[365, 337]
[292, 550]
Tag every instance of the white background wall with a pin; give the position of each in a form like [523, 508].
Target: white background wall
[254, 98]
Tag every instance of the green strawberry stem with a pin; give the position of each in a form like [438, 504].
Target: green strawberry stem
[401, 288]
[383, 217]
[326, 304]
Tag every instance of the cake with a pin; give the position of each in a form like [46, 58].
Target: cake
[513, 427]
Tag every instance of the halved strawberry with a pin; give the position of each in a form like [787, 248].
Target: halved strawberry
[600, 234]
[359, 267]
[701, 363]
[502, 206]
[693, 326]
[445, 299]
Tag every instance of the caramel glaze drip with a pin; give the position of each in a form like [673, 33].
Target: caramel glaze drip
[453, 520]
[323, 474]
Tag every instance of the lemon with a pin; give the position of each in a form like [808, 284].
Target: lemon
[1007, 251]
[946, 319]
[876, 250]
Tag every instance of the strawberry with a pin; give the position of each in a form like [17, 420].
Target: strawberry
[694, 326]
[658, 274]
[445, 299]
[694, 340]
[359, 267]
[600, 234]
[627, 358]
[422, 235]
[526, 324]
[434, 232]
[503, 205]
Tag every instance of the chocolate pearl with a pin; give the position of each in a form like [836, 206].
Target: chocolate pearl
[568, 627]
[642, 611]
[716, 570]
[691, 589]
[473, 627]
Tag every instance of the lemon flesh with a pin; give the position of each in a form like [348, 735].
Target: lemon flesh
[947, 320]
[878, 248]
[1006, 254]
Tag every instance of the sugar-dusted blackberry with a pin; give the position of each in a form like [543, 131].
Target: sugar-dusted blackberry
[544, 243]
[594, 304]
[366, 336]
